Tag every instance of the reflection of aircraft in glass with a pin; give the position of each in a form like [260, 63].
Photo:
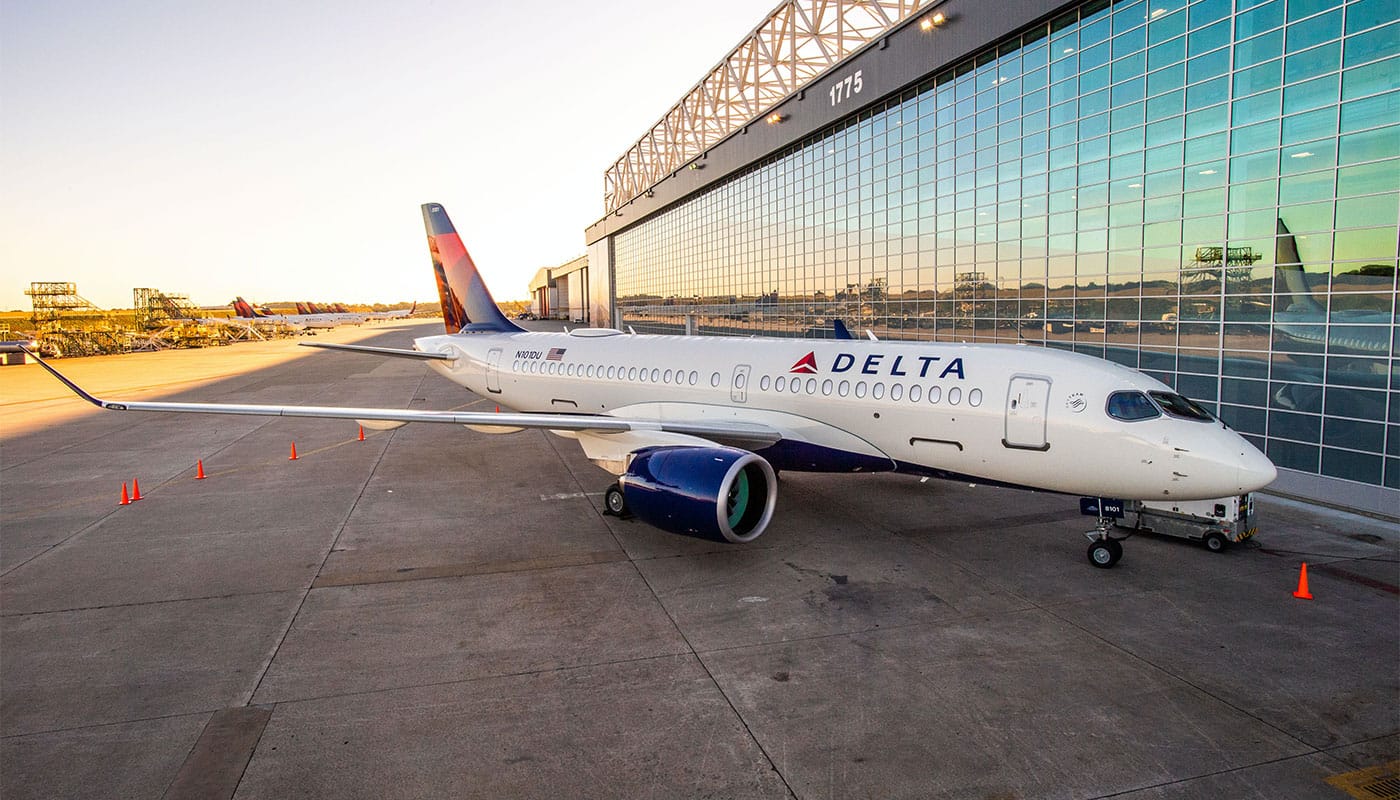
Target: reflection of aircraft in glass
[1302, 323]
[1301, 330]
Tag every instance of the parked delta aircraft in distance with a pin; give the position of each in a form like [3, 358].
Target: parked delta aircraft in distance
[402, 313]
[245, 310]
[697, 428]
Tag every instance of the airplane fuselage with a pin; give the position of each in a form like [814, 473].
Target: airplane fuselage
[1005, 414]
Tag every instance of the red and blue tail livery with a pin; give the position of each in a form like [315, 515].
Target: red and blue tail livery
[466, 303]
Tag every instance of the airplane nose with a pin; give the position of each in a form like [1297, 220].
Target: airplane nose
[1256, 470]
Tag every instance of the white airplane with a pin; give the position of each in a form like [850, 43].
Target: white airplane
[697, 428]
[402, 313]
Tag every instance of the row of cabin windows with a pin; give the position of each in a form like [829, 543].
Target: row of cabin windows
[678, 377]
[794, 385]
[877, 390]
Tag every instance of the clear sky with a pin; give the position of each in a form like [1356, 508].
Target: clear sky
[280, 151]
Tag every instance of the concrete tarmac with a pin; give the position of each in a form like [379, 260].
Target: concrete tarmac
[434, 612]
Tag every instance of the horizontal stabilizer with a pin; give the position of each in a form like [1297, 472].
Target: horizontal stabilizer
[393, 352]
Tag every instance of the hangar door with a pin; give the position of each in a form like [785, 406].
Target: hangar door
[1026, 403]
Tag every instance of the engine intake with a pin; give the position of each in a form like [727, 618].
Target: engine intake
[719, 493]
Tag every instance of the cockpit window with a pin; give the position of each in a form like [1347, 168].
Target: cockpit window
[1131, 406]
[1178, 406]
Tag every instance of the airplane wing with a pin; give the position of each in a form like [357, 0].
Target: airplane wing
[750, 434]
[382, 351]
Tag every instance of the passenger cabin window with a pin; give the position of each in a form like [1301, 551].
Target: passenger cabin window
[1177, 406]
[1130, 406]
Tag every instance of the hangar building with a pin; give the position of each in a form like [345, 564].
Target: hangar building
[1206, 191]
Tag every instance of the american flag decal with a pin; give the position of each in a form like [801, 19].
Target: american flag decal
[555, 354]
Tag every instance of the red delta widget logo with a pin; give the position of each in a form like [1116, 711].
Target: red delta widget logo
[875, 364]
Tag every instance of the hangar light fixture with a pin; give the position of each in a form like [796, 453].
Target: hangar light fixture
[935, 21]
[775, 118]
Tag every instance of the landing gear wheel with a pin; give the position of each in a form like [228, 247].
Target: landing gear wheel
[1104, 553]
[1215, 542]
[614, 502]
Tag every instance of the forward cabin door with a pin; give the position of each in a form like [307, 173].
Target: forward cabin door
[493, 367]
[1026, 405]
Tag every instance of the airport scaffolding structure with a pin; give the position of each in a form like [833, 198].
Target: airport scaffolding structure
[66, 324]
[171, 320]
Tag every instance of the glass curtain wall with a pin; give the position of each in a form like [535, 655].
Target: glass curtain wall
[1204, 191]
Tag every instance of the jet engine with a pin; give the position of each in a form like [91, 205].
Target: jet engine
[719, 493]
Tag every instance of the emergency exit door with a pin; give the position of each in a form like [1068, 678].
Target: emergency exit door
[493, 367]
[739, 387]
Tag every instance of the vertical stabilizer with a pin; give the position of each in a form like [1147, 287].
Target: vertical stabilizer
[466, 303]
[243, 309]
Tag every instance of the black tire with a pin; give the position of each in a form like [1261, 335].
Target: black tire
[1215, 542]
[1104, 553]
[614, 502]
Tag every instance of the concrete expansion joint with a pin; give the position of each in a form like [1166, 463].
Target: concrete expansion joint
[271, 655]
[560, 669]
[144, 603]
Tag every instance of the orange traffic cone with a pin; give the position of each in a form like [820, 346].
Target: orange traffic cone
[199, 474]
[293, 456]
[126, 499]
[362, 433]
[135, 490]
[1302, 591]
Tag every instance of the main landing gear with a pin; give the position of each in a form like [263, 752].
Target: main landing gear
[1104, 550]
[614, 502]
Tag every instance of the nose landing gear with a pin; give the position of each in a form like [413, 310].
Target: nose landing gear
[1104, 550]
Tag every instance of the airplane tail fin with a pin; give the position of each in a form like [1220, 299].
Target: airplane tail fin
[466, 302]
[242, 309]
[301, 308]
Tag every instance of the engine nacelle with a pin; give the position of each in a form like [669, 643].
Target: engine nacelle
[716, 492]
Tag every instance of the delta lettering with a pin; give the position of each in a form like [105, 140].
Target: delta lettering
[844, 362]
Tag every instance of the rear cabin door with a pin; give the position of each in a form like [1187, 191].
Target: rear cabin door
[1026, 404]
[493, 367]
[739, 388]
